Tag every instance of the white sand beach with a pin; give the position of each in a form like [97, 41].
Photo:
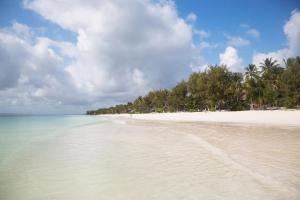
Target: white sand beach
[267, 117]
[125, 158]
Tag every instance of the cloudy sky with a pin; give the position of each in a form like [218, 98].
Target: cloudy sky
[66, 56]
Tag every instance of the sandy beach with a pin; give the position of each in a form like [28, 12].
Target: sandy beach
[274, 118]
[165, 157]
[149, 100]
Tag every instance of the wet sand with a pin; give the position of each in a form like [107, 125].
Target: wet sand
[139, 159]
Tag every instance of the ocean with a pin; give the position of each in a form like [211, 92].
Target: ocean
[93, 157]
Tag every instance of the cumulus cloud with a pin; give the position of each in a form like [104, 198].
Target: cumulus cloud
[236, 41]
[250, 31]
[207, 45]
[231, 59]
[199, 64]
[192, 17]
[292, 32]
[123, 49]
[201, 33]
[31, 68]
[118, 37]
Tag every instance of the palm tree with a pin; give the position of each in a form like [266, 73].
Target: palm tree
[292, 61]
[271, 72]
[252, 86]
[251, 72]
[290, 82]
[268, 64]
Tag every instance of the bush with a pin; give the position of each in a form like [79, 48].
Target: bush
[159, 110]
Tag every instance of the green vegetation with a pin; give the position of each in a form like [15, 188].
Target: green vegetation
[217, 88]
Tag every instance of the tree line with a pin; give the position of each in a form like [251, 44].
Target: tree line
[267, 86]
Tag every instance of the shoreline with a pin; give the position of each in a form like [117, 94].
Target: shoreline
[263, 117]
[107, 154]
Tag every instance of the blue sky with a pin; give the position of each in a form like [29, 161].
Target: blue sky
[218, 17]
[223, 16]
[13, 10]
[77, 55]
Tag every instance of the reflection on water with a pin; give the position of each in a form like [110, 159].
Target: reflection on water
[153, 160]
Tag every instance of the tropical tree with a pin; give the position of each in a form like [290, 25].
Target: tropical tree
[291, 83]
[271, 72]
[268, 65]
[217, 86]
[251, 72]
[140, 105]
[218, 81]
[234, 92]
[252, 84]
[177, 97]
[197, 91]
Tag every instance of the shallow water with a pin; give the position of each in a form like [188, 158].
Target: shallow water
[81, 157]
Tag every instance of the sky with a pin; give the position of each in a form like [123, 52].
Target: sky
[67, 56]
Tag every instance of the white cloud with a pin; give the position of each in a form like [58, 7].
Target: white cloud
[292, 32]
[199, 63]
[201, 33]
[276, 55]
[250, 31]
[231, 59]
[207, 45]
[192, 17]
[236, 41]
[32, 71]
[253, 33]
[123, 49]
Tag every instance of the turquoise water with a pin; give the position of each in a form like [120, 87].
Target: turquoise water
[92, 157]
[17, 132]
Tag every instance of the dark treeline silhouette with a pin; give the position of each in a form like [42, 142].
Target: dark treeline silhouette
[267, 86]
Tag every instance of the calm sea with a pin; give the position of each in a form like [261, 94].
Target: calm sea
[90, 157]
[17, 132]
